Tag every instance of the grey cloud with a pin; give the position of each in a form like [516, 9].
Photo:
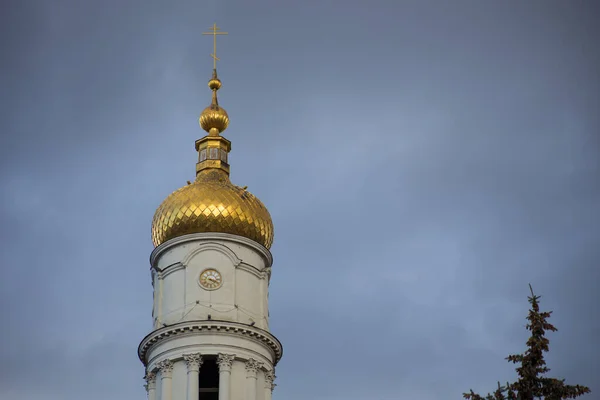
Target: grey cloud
[422, 163]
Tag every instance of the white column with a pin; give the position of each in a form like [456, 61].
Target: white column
[225, 361]
[252, 367]
[166, 379]
[150, 379]
[193, 362]
[269, 385]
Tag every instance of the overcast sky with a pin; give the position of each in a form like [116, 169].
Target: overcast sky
[423, 161]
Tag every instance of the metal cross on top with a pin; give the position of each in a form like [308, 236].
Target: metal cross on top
[214, 31]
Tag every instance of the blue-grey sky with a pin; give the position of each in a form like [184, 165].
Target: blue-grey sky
[423, 161]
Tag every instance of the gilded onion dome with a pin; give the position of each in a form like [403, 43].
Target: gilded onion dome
[212, 203]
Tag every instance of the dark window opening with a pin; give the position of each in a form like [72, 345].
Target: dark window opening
[209, 380]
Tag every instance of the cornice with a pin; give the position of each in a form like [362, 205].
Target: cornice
[221, 248]
[189, 327]
[169, 269]
[193, 237]
[251, 269]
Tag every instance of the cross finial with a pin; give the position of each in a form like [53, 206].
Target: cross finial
[214, 31]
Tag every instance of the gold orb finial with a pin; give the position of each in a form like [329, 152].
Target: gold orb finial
[214, 118]
[214, 84]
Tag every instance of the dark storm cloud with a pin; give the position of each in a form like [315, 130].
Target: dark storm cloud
[422, 161]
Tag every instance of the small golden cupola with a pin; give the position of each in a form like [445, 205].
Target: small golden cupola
[212, 203]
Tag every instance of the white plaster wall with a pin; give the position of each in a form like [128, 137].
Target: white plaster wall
[171, 296]
[179, 380]
[249, 298]
[238, 380]
[242, 296]
[178, 297]
[218, 303]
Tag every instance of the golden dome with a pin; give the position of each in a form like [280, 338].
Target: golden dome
[212, 204]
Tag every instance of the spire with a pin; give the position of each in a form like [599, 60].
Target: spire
[214, 119]
[213, 149]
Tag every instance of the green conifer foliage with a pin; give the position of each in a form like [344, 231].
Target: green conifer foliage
[533, 383]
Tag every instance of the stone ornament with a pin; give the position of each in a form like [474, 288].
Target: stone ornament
[231, 328]
[225, 361]
[166, 368]
[193, 361]
[150, 379]
[269, 378]
[252, 367]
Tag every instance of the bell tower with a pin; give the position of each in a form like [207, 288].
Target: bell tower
[210, 270]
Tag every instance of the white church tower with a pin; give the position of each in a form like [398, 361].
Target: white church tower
[210, 270]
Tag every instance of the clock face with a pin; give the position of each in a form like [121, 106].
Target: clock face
[210, 279]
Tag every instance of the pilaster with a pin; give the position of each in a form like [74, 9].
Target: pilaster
[150, 385]
[225, 361]
[193, 362]
[252, 367]
[166, 376]
[269, 385]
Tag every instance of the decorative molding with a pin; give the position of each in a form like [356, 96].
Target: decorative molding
[219, 247]
[166, 369]
[269, 379]
[250, 269]
[266, 273]
[252, 367]
[169, 269]
[153, 276]
[194, 237]
[210, 327]
[150, 379]
[225, 361]
[193, 361]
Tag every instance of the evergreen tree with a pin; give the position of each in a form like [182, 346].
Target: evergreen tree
[532, 383]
